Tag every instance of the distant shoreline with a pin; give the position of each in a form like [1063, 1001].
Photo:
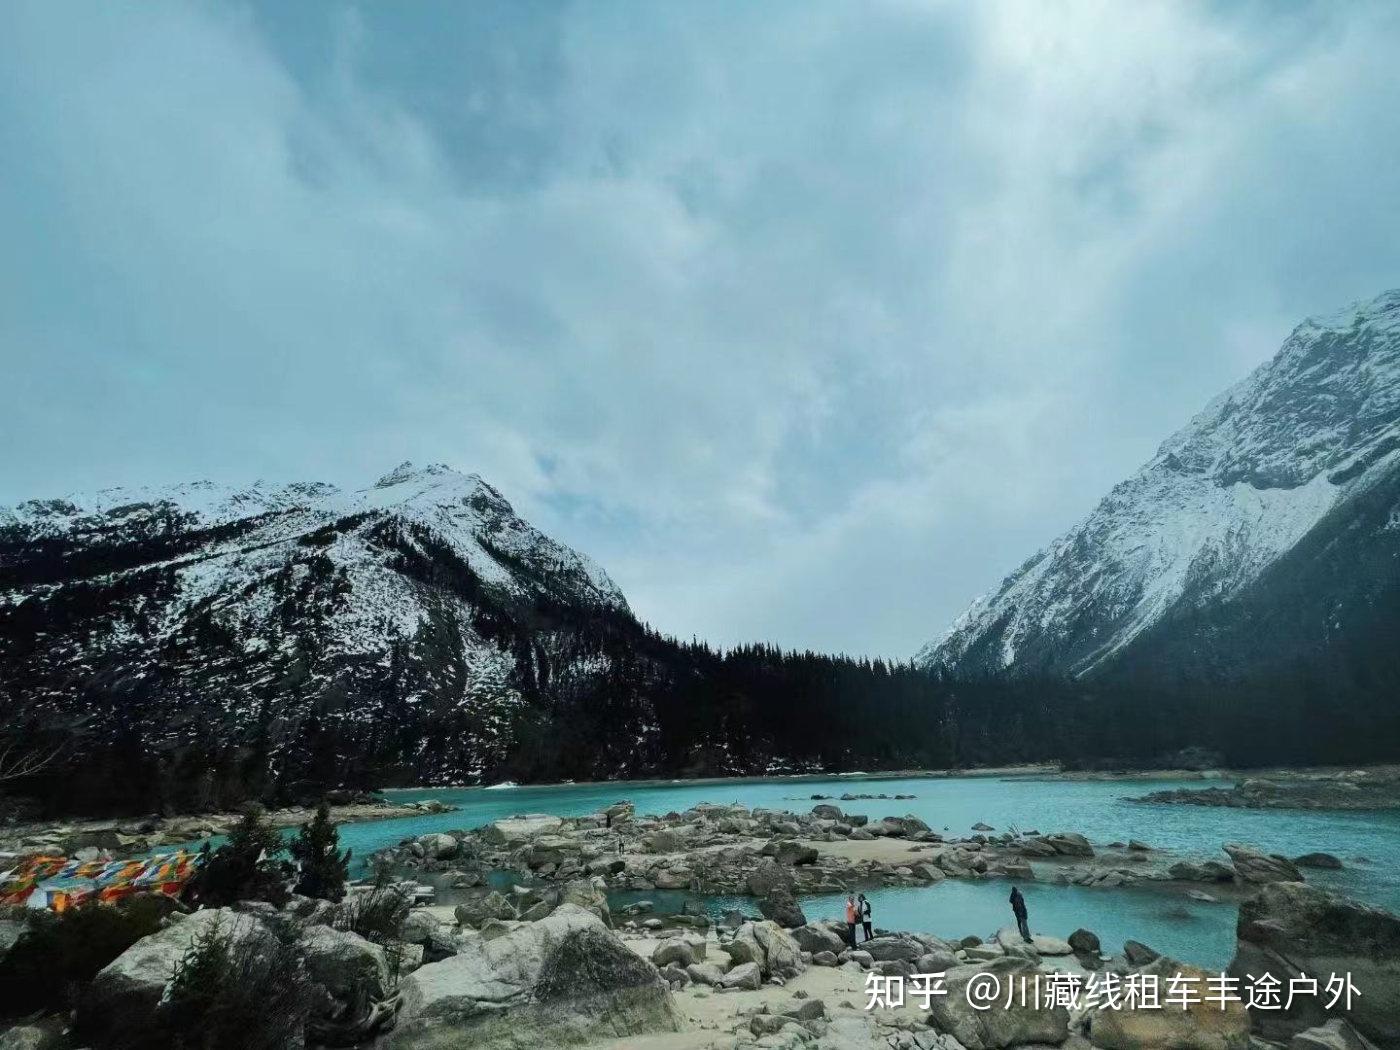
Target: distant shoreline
[1047, 771]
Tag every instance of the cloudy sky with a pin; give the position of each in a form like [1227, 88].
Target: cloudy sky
[808, 320]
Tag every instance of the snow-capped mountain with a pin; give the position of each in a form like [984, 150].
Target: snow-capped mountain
[1265, 530]
[414, 619]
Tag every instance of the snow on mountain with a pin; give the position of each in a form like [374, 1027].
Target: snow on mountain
[1222, 501]
[423, 591]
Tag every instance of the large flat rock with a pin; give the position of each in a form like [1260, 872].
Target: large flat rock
[561, 981]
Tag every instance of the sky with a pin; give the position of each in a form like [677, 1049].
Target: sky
[809, 321]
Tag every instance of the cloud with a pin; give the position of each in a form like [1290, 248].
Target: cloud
[808, 321]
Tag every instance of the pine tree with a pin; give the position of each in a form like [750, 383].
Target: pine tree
[323, 868]
[244, 868]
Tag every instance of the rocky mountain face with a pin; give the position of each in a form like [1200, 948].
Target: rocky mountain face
[414, 624]
[1262, 539]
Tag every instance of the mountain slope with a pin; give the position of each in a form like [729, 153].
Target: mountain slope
[1285, 485]
[414, 619]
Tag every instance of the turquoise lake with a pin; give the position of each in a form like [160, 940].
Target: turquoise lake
[1368, 842]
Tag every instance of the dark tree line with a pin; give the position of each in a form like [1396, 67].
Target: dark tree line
[198, 722]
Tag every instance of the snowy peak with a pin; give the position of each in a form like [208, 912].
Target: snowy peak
[1223, 500]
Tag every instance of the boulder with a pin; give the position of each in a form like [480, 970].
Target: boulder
[419, 926]
[769, 877]
[564, 980]
[520, 829]
[1085, 942]
[1070, 844]
[31, 1037]
[620, 812]
[936, 962]
[677, 878]
[816, 937]
[590, 895]
[705, 973]
[1139, 954]
[1290, 927]
[478, 911]
[745, 976]
[893, 946]
[11, 930]
[1047, 945]
[349, 967]
[1318, 860]
[782, 907]
[664, 841]
[439, 846]
[1252, 865]
[824, 959]
[993, 1029]
[121, 1001]
[1336, 1034]
[768, 946]
[826, 811]
[1200, 1025]
[791, 853]
[781, 955]
[677, 950]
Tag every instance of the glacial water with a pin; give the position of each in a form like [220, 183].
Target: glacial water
[1367, 842]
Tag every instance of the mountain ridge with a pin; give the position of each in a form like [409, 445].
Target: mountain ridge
[1224, 498]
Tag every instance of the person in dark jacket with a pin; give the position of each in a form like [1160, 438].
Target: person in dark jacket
[863, 904]
[1018, 908]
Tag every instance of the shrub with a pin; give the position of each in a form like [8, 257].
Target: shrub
[316, 849]
[58, 955]
[244, 868]
[378, 915]
[236, 993]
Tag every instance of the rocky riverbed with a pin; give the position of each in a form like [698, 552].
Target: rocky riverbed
[778, 856]
[1362, 789]
[137, 835]
[552, 964]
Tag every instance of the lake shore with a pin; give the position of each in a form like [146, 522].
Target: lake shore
[137, 835]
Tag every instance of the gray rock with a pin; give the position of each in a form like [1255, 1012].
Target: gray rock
[996, 1028]
[1139, 954]
[31, 1037]
[817, 937]
[345, 964]
[705, 973]
[782, 907]
[439, 846]
[1252, 865]
[1289, 927]
[746, 975]
[565, 979]
[590, 895]
[1084, 942]
[1336, 1034]
[891, 947]
[481, 910]
[121, 1000]
[419, 926]
[768, 878]
[1070, 844]
[1318, 860]
[677, 950]
[519, 829]
[1201, 1025]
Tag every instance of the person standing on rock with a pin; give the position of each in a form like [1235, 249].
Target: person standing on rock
[864, 909]
[852, 917]
[1018, 908]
